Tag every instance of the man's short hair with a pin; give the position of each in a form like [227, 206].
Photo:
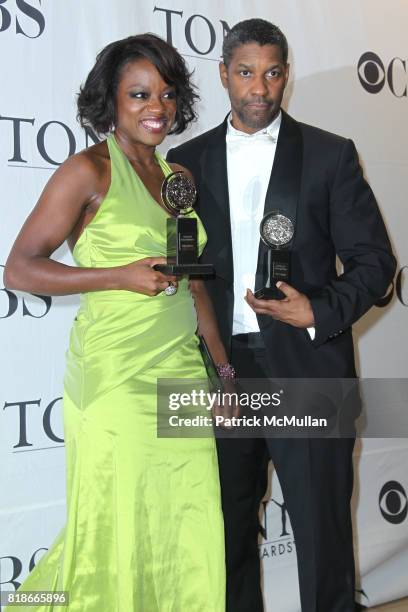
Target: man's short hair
[257, 31]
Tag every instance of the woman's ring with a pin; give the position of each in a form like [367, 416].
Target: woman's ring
[170, 289]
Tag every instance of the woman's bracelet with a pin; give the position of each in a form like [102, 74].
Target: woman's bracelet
[225, 370]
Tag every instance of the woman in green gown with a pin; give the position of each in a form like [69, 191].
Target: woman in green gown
[144, 529]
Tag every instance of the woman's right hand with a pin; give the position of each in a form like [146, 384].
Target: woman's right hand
[141, 277]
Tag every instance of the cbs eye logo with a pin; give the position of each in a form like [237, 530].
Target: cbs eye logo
[371, 72]
[393, 502]
[374, 75]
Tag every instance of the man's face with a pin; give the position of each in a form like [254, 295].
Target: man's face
[255, 79]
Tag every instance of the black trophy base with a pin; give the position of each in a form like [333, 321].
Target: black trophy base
[269, 293]
[192, 269]
[278, 269]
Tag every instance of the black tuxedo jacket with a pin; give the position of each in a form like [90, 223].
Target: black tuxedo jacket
[316, 178]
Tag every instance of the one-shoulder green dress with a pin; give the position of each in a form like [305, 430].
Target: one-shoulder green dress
[144, 530]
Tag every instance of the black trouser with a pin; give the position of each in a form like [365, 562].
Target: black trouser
[316, 477]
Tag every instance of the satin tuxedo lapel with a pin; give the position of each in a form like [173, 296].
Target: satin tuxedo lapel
[214, 187]
[283, 189]
[284, 184]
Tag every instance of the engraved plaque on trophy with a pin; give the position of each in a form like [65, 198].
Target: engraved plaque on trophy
[277, 232]
[178, 194]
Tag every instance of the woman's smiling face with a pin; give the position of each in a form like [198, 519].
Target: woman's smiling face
[145, 104]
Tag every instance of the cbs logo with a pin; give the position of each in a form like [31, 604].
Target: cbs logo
[40, 303]
[393, 502]
[11, 568]
[374, 75]
[22, 19]
[397, 288]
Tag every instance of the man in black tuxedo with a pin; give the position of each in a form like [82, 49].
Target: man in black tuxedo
[258, 160]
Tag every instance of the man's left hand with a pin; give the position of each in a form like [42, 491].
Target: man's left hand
[295, 309]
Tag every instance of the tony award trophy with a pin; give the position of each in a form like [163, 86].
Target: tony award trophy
[276, 232]
[178, 194]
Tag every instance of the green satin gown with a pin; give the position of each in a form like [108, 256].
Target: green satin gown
[144, 530]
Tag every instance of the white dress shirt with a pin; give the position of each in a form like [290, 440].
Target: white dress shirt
[250, 159]
[249, 164]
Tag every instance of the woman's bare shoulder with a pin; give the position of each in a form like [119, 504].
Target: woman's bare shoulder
[84, 173]
[92, 161]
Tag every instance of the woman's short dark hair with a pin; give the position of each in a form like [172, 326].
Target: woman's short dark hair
[97, 98]
[254, 31]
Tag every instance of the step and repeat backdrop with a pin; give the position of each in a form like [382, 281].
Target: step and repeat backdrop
[348, 75]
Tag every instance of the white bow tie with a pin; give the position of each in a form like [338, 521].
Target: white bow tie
[240, 139]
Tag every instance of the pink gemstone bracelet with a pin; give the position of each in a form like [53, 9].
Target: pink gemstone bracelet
[225, 370]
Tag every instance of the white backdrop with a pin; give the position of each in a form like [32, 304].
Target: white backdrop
[348, 75]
